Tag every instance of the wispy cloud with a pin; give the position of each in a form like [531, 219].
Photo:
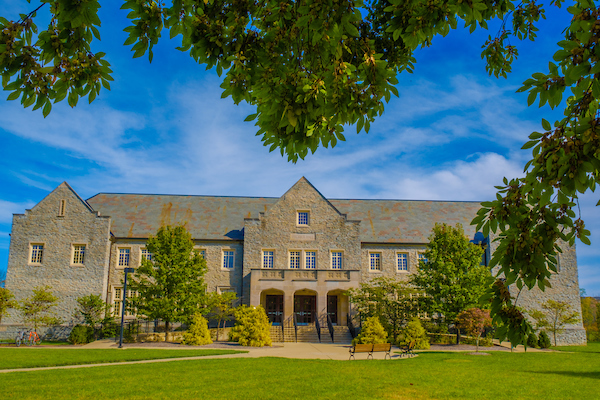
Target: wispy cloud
[7, 209]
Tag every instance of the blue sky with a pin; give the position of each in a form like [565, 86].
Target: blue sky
[453, 134]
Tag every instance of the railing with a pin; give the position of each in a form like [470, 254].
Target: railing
[351, 327]
[296, 326]
[318, 326]
[330, 327]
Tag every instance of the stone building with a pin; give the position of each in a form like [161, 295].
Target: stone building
[295, 255]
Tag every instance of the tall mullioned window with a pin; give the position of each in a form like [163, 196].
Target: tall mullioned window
[310, 260]
[78, 253]
[146, 255]
[422, 258]
[37, 252]
[268, 256]
[228, 259]
[336, 260]
[294, 259]
[123, 257]
[118, 302]
[402, 261]
[375, 261]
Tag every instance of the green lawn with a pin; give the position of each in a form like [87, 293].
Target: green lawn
[592, 347]
[40, 357]
[502, 375]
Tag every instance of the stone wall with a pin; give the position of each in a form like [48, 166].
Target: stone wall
[388, 260]
[43, 225]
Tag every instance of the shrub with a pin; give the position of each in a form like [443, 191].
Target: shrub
[544, 340]
[372, 332]
[81, 334]
[532, 340]
[415, 331]
[198, 333]
[109, 329]
[251, 327]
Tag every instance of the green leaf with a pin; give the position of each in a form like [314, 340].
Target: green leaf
[14, 95]
[546, 125]
[47, 108]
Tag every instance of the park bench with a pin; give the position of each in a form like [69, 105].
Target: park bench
[408, 348]
[371, 348]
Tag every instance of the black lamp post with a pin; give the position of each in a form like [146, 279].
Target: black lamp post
[127, 270]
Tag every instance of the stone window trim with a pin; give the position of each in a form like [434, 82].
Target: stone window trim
[62, 205]
[336, 259]
[402, 262]
[123, 257]
[78, 254]
[375, 261]
[36, 253]
[268, 258]
[294, 259]
[302, 218]
[227, 259]
[145, 255]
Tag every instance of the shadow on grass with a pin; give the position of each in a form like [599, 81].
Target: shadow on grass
[586, 374]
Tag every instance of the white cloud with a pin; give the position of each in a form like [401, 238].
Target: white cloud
[8, 208]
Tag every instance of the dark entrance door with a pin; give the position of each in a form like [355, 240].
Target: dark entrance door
[332, 309]
[305, 308]
[275, 308]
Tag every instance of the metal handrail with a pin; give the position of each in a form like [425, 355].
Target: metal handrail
[351, 327]
[296, 326]
[330, 327]
[317, 325]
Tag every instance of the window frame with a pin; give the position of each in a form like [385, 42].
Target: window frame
[305, 258]
[375, 255]
[341, 259]
[119, 265]
[406, 262]
[299, 259]
[298, 213]
[144, 252]
[223, 266]
[74, 252]
[270, 264]
[39, 253]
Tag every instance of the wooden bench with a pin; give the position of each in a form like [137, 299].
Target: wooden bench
[408, 348]
[371, 348]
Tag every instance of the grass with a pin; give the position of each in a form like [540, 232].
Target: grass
[592, 347]
[39, 357]
[432, 375]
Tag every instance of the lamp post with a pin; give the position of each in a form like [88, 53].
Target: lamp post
[127, 270]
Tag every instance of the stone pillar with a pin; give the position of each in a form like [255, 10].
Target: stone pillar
[288, 304]
[321, 302]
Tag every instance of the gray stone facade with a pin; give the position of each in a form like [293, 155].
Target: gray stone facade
[259, 232]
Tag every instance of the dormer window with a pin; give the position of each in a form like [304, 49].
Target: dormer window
[303, 218]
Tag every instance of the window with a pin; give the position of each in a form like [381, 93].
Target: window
[294, 259]
[310, 258]
[123, 257]
[228, 259]
[78, 254]
[402, 262]
[422, 258]
[146, 255]
[37, 251]
[202, 253]
[268, 256]
[61, 208]
[302, 219]
[117, 301]
[375, 261]
[336, 260]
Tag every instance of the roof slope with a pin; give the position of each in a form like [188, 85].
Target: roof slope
[222, 218]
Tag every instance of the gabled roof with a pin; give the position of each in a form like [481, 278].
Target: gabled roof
[222, 218]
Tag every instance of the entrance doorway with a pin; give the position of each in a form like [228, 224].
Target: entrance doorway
[332, 308]
[274, 308]
[305, 308]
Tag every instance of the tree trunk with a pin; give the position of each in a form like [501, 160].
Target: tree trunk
[166, 330]
[457, 336]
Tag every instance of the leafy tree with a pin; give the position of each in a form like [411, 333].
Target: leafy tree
[372, 332]
[7, 300]
[221, 306]
[198, 333]
[452, 276]
[557, 315]
[37, 309]
[393, 302]
[415, 331]
[91, 309]
[590, 311]
[532, 340]
[170, 287]
[474, 321]
[544, 340]
[312, 67]
[252, 327]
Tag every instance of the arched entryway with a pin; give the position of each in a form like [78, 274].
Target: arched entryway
[305, 306]
[272, 301]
